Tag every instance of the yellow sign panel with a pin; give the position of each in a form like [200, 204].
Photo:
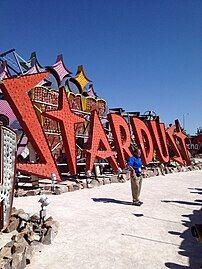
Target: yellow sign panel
[81, 79]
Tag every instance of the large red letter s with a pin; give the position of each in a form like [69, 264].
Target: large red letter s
[16, 93]
[174, 151]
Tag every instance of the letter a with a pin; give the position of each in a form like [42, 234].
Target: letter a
[122, 137]
[98, 145]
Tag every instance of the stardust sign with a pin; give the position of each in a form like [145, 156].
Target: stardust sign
[151, 136]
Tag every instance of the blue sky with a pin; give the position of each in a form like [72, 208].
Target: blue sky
[140, 54]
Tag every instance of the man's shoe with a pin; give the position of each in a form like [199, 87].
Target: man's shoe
[137, 203]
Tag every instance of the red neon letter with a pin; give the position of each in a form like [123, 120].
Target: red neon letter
[182, 138]
[170, 136]
[122, 137]
[67, 121]
[159, 139]
[98, 145]
[143, 139]
[16, 93]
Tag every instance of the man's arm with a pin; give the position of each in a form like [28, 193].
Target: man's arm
[131, 169]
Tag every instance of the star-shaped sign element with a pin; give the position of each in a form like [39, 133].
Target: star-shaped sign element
[80, 79]
[67, 120]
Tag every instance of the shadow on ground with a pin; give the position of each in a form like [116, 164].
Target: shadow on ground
[109, 200]
[154, 218]
[196, 190]
[183, 202]
[189, 246]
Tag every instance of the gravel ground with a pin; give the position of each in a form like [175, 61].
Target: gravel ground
[99, 228]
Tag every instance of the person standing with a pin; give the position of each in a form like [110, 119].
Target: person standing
[134, 164]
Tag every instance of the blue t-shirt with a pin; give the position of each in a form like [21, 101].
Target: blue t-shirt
[136, 163]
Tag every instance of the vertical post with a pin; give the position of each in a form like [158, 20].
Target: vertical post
[183, 121]
[32, 158]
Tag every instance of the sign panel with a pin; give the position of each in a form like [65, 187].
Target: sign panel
[151, 136]
[7, 173]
